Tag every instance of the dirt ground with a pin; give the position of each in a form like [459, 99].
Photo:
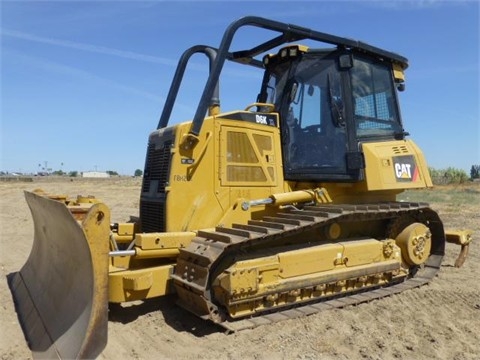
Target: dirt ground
[438, 321]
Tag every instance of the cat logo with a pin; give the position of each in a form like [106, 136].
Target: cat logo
[405, 168]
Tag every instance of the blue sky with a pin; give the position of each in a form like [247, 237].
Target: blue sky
[83, 83]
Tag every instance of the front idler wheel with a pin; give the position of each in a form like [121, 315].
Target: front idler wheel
[415, 241]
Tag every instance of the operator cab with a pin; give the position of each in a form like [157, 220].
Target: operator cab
[330, 101]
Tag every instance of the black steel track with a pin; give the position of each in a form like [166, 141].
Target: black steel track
[205, 257]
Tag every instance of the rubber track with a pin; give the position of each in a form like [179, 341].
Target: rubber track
[197, 262]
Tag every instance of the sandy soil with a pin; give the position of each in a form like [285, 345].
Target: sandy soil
[438, 321]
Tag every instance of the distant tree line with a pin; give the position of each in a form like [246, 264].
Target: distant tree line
[452, 175]
[475, 172]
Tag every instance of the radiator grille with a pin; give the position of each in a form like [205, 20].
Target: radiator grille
[153, 201]
[152, 214]
[157, 166]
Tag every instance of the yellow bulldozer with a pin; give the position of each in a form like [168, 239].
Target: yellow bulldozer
[252, 216]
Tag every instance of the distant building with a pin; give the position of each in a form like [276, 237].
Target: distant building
[95, 174]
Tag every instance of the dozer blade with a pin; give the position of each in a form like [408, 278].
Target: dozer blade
[61, 293]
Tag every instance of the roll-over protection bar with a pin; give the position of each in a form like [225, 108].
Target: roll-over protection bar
[288, 33]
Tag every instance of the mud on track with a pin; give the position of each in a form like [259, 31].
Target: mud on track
[437, 321]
